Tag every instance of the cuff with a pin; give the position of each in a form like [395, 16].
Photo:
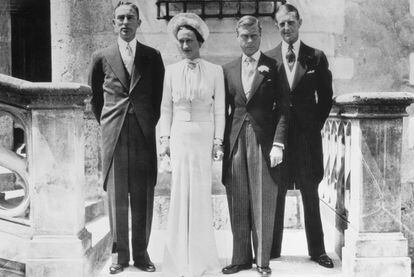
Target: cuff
[279, 145]
[218, 141]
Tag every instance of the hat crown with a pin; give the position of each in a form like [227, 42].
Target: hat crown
[190, 19]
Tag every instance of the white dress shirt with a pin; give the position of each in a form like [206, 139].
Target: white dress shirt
[290, 74]
[122, 44]
[247, 79]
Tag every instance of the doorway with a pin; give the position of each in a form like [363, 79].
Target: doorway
[31, 40]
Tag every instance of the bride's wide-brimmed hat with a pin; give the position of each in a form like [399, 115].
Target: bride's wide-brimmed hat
[189, 19]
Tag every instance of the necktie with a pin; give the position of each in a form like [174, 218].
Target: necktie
[290, 57]
[129, 59]
[249, 73]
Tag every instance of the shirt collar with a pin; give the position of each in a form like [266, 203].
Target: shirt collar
[196, 60]
[296, 46]
[255, 56]
[123, 44]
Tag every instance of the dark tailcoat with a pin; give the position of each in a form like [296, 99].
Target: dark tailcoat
[113, 91]
[311, 102]
[251, 184]
[128, 109]
[264, 104]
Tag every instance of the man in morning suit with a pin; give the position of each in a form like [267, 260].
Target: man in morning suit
[126, 80]
[253, 143]
[305, 76]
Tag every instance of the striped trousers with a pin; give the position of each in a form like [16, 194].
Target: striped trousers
[251, 195]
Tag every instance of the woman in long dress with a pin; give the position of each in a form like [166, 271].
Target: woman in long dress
[191, 129]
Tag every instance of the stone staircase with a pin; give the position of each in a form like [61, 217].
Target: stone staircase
[293, 263]
[97, 224]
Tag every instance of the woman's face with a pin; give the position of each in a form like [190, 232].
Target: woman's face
[189, 46]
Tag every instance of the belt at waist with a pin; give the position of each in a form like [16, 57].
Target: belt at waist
[192, 116]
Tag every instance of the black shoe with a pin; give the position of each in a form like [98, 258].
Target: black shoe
[117, 268]
[323, 260]
[264, 270]
[145, 266]
[234, 268]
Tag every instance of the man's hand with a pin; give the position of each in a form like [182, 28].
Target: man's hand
[164, 146]
[276, 156]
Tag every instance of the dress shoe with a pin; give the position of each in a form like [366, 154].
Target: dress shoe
[323, 260]
[234, 268]
[264, 270]
[145, 266]
[117, 268]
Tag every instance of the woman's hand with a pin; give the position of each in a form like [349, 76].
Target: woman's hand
[164, 146]
[218, 150]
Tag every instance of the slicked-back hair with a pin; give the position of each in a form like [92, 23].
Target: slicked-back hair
[248, 21]
[127, 3]
[288, 8]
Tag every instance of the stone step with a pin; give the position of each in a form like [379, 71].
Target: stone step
[93, 209]
[294, 261]
[99, 252]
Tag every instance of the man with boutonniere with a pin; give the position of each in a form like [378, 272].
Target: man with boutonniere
[253, 148]
[306, 78]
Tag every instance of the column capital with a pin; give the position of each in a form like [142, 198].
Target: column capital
[373, 104]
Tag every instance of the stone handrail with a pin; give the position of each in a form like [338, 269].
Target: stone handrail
[52, 117]
[362, 143]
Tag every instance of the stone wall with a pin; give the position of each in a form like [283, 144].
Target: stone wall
[5, 38]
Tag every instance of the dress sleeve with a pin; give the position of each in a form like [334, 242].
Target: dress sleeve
[219, 104]
[166, 106]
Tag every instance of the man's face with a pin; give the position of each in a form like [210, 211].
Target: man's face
[189, 46]
[288, 26]
[126, 22]
[249, 39]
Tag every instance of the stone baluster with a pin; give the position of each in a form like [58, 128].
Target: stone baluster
[374, 244]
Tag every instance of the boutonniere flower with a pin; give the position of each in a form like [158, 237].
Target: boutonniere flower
[263, 69]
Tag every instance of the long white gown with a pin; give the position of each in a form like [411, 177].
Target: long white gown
[192, 114]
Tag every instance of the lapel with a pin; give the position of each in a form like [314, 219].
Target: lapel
[139, 64]
[281, 66]
[236, 79]
[113, 56]
[258, 77]
[301, 66]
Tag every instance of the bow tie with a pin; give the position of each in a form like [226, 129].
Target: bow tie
[192, 64]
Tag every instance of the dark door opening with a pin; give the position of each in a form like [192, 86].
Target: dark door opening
[31, 42]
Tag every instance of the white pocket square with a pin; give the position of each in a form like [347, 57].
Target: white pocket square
[310, 71]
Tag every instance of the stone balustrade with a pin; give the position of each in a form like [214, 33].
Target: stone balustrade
[45, 229]
[361, 189]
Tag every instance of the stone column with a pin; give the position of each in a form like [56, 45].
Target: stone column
[374, 244]
[56, 177]
[71, 40]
